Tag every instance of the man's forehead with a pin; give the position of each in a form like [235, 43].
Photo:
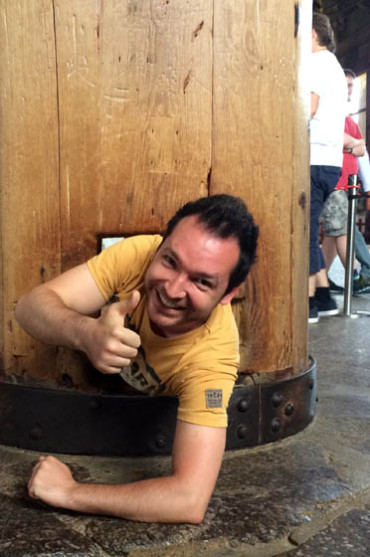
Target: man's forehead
[192, 231]
[192, 243]
[201, 270]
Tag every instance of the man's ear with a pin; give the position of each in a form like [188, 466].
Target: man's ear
[229, 296]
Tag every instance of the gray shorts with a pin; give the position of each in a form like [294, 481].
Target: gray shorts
[335, 213]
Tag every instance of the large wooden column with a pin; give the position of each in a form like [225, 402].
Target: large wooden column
[260, 151]
[115, 113]
[29, 174]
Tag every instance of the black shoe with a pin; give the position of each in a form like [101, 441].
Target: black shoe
[335, 287]
[313, 315]
[326, 305]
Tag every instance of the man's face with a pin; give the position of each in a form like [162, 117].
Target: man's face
[188, 277]
[350, 81]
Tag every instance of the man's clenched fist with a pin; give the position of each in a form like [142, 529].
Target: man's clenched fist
[51, 481]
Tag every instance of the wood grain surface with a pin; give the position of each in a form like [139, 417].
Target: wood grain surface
[116, 113]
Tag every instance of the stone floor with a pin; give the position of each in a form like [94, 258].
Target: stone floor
[308, 495]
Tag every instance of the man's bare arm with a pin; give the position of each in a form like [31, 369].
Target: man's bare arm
[58, 312]
[314, 103]
[354, 146]
[181, 497]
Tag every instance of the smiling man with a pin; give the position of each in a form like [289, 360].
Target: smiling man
[172, 332]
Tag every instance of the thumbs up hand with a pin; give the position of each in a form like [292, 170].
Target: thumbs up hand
[108, 344]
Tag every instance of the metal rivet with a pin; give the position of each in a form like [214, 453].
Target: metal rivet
[36, 433]
[277, 399]
[242, 431]
[275, 425]
[289, 409]
[243, 405]
[160, 441]
[311, 384]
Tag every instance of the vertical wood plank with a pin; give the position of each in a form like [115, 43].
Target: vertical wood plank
[301, 186]
[253, 134]
[135, 89]
[135, 94]
[29, 177]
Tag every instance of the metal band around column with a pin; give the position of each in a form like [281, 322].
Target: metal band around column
[56, 421]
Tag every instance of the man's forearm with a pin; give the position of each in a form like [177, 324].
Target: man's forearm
[165, 499]
[44, 316]
[181, 497]
[354, 146]
[154, 500]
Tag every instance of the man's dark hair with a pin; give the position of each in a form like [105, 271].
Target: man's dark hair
[351, 73]
[324, 30]
[227, 216]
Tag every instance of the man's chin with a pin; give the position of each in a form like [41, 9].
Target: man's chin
[163, 326]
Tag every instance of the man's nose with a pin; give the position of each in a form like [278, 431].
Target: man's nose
[176, 286]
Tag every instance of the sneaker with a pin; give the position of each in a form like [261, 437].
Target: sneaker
[362, 285]
[335, 287]
[326, 305]
[313, 315]
[327, 308]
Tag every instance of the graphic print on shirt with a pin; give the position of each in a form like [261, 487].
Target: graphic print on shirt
[139, 374]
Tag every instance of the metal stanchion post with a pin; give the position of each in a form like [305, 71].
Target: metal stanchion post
[352, 204]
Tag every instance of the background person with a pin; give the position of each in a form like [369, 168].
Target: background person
[328, 108]
[335, 213]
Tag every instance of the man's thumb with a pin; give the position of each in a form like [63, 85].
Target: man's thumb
[131, 303]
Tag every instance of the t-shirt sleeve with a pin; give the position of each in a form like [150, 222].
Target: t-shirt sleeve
[121, 267]
[204, 402]
[205, 383]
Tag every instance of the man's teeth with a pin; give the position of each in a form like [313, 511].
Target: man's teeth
[166, 302]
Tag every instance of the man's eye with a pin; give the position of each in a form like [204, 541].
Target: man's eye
[203, 283]
[168, 259]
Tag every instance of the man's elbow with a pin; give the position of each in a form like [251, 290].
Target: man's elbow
[199, 512]
[19, 310]
[24, 309]
[195, 508]
[196, 519]
[193, 516]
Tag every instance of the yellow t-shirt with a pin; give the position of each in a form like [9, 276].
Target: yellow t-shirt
[200, 366]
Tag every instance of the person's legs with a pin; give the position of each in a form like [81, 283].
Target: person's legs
[342, 250]
[329, 250]
[323, 182]
[362, 253]
[322, 279]
[317, 202]
[335, 221]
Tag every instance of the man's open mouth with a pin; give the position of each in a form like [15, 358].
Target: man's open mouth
[168, 303]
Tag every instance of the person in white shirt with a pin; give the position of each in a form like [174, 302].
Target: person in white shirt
[328, 110]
